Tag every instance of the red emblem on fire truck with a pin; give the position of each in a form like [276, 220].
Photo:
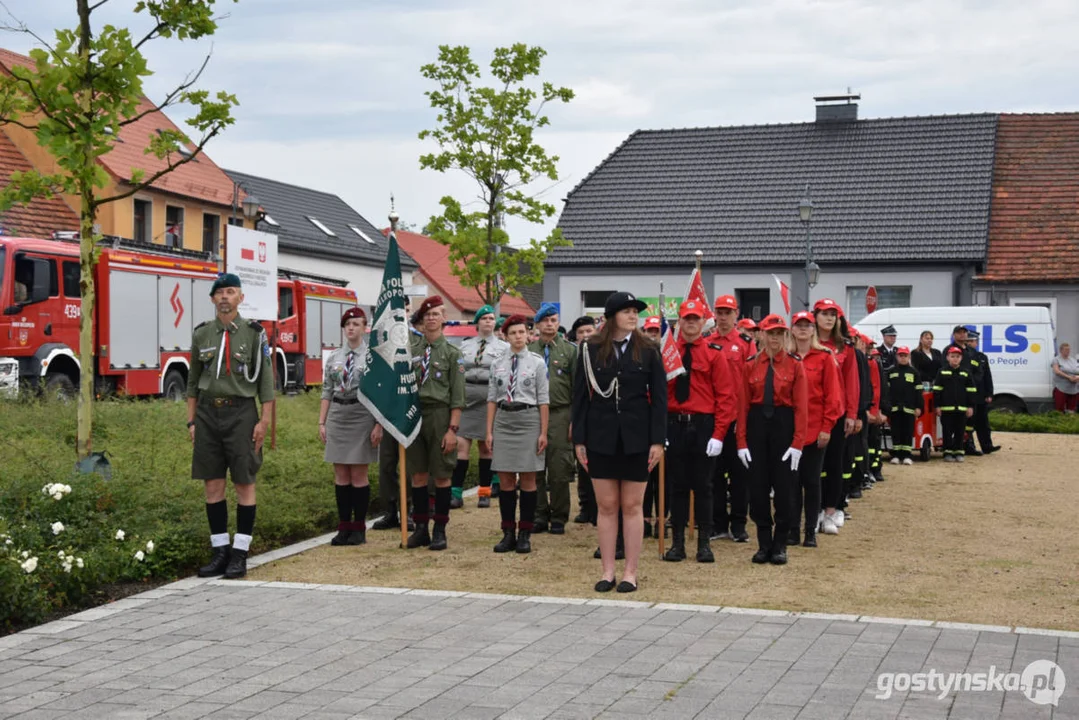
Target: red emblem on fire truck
[23, 336]
[177, 306]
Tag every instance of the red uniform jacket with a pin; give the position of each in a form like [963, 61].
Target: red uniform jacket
[789, 390]
[737, 352]
[733, 342]
[712, 390]
[874, 380]
[824, 392]
[848, 378]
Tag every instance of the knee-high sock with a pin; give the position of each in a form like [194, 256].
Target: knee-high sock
[485, 477]
[459, 474]
[218, 515]
[528, 508]
[419, 505]
[507, 506]
[245, 527]
[361, 499]
[442, 505]
[343, 493]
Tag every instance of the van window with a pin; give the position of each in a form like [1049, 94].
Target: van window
[71, 280]
[24, 278]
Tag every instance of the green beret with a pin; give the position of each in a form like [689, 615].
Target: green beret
[499, 322]
[485, 310]
[225, 280]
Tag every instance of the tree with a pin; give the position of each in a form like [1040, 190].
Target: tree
[489, 134]
[83, 89]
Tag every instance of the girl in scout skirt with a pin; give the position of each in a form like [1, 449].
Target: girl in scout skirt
[348, 430]
[477, 353]
[518, 406]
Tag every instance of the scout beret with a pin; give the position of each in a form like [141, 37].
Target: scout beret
[352, 312]
[545, 310]
[426, 306]
[485, 310]
[499, 323]
[512, 320]
[580, 322]
[225, 280]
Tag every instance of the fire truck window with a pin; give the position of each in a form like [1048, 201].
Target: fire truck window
[284, 303]
[71, 280]
[54, 280]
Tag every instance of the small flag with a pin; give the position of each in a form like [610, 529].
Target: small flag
[695, 291]
[247, 253]
[785, 293]
[672, 364]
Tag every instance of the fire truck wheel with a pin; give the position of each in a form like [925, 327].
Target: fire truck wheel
[175, 387]
[926, 450]
[59, 387]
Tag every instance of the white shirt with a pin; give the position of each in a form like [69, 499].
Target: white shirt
[530, 384]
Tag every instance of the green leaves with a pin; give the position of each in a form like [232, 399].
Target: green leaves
[489, 134]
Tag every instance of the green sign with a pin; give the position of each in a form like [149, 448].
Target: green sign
[670, 309]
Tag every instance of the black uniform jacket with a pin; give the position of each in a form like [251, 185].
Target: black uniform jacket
[636, 413]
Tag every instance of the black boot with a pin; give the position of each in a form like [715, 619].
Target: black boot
[358, 534]
[508, 543]
[793, 536]
[811, 539]
[419, 537]
[778, 555]
[438, 537]
[237, 565]
[704, 550]
[677, 553]
[219, 560]
[738, 532]
[389, 519]
[343, 531]
[764, 545]
[524, 542]
[648, 530]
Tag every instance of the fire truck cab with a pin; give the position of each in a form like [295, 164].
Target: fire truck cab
[309, 313]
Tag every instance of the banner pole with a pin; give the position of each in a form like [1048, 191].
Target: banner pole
[661, 520]
[273, 409]
[402, 502]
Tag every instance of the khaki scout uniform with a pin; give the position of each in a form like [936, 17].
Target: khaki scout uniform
[561, 359]
[441, 390]
[230, 367]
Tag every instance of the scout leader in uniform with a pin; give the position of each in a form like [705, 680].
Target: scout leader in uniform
[230, 366]
[560, 357]
[440, 374]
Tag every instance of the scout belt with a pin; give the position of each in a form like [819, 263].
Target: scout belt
[345, 401]
[514, 407]
[219, 402]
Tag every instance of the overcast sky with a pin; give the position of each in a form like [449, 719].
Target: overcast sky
[332, 97]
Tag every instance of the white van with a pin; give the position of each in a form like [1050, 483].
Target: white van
[1019, 342]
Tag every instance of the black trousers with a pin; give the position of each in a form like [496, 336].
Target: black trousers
[768, 439]
[854, 454]
[981, 427]
[807, 487]
[690, 468]
[586, 496]
[873, 454]
[902, 424]
[832, 471]
[651, 495]
[953, 424]
[730, 476]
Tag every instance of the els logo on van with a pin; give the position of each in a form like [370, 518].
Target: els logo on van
[1014, 340]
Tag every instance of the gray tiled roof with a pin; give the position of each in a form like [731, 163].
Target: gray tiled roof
[886, 190]
[290, 205]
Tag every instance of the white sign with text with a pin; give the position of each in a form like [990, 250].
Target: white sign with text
[252, 256]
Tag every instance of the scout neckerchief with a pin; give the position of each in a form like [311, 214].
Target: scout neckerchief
[348, 372]
[547, 357]
[224, 353]
[479, 352]
[513, 379]
[425, 364]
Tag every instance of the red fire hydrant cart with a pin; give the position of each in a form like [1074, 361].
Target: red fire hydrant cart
[927, 434]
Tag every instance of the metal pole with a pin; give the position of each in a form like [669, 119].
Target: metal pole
[809, 262]
[692, 500]
[273, 409]
[402, 501]
[661, 519]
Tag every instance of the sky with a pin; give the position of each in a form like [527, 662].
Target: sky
[331, 95]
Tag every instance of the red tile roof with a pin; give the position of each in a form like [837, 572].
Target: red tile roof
[200, 179]
[1034, 217]
[432, 257]
[41, 217]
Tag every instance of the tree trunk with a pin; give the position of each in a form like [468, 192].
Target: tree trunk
[87, 214]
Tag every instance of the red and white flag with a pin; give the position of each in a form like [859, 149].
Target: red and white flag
[672, 363]
[695, 291]
[785, 293]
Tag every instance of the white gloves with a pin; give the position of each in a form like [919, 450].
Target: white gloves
[795, 456]
[745, 457]
[715, 447]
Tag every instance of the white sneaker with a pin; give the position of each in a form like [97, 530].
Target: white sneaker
[908, 461]
[839, 518]
[960, 458]
[895, 461]
[828, 526]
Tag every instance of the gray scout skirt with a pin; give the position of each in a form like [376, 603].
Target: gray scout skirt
[474, 416]
[515, 436]
[348, 435]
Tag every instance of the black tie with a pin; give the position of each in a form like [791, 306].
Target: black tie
[769, 404]
[681, 385]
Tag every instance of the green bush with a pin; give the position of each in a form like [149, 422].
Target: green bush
[1050, 422]
[151, 497]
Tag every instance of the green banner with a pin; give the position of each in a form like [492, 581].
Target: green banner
[670, 309]
[389, 388]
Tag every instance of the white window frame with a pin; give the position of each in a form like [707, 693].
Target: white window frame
[361, 233]
[1037, 302]
[319, 224]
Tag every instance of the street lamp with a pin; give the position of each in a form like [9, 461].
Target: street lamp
[251, 207]
[812, 269]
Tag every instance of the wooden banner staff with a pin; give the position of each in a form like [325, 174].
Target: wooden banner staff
[661, 523]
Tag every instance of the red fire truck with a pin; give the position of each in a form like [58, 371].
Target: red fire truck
[148, 300]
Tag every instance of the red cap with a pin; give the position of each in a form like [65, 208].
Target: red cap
[652, 323]
[746, 324]
[954, 349]
[874, 353]
[827, 304]
[727, 301]
[773, 322]
[691, 307]
[803, 315]
[902, 350]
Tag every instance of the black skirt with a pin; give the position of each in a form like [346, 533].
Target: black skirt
[620, 466]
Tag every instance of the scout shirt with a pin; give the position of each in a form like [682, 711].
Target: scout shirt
[478, 354]
[214, 374]
[336, 383]
[561, 359]
[442, 382]
[529, 384]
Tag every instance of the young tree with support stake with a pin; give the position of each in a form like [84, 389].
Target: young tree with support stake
[81, 91]
[488, 133]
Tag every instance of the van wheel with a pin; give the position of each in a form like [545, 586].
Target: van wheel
[926, 451]
[1008, 404]
[175, 387]
[60, 387]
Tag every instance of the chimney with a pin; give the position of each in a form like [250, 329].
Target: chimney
[837, 108]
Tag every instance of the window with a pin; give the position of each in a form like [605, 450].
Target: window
[174, 226]
[593, 301]
[284, 303]
[211, 231]
[361, 233]
[236, 221]
[144, 221]
[71, 280]
[888, 296]
[26, 269]
[317, 223]
[270, 221]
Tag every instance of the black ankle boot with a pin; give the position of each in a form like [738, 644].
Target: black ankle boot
[508, 543]
[341, 538]
[704, 550]
[237, 565]
[524, 542]
[419, 537]
[677, 553]
[764, 545]
[438, 537]
[219, 561]
[811, 539]
[388, 521]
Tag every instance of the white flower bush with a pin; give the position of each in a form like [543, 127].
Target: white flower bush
[119, 534]
[149, 546]
[29, 565]
[140, 556]
[57, 528]
[56, 490]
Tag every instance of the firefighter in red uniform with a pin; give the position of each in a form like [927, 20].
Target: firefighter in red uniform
[771, 434]
[730, 477]
[833, 333]
[701, 407]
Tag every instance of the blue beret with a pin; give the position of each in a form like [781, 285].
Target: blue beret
[545, 310]
[225, 280]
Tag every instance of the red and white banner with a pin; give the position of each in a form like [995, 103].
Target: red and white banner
[785, 293]
[672, 363]
[695, 291]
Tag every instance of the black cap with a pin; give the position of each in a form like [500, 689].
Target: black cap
[583, 320]
[620, 301]
[972, 335]
[890, 330]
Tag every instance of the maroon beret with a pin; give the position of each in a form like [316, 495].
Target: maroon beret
[427, 305]
[514, 320]
[353, 312]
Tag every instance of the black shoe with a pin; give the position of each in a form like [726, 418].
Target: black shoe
[972, 451]
[605, 586]
[508, 543]
[341, 538]
[494, 491]
[761, 556]
[626, 587]
[388, 521]
[582, 518]
[419, 537]
[648, 530]
[993, 449]
[855, 494]
[793, 536]
[811, 539]
[524, 542]
[484, 502]
[539, 526]
[878, 476]
[456, 503]
[357, 537]
[704, 550]
[677, 552]
[557, 528]
[438, 537]
[778, 556]
[219, 560]
[739, 533]
[237, 565]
